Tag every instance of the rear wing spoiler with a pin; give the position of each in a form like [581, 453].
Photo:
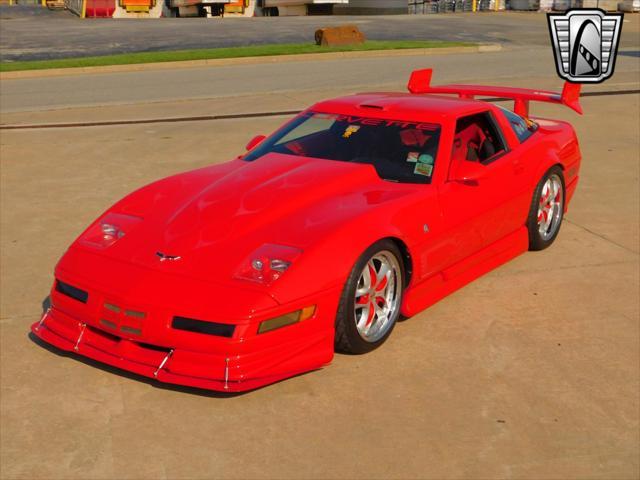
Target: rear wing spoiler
[420, 82]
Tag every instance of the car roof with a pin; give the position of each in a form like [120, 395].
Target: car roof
[402, 106]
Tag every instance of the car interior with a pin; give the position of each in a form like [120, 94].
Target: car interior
[477, 139]
[394, 150]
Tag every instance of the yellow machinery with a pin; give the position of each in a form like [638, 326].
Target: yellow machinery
[137, 6]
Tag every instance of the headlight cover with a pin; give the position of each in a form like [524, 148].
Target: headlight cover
[109, 229]
[267, 264]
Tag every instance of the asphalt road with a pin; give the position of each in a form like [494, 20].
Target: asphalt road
[525, 67]
[29, 36]
[525, 64]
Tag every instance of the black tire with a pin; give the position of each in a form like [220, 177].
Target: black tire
[347, 337]
[536, 239]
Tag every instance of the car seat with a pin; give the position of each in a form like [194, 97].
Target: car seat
[467, 143]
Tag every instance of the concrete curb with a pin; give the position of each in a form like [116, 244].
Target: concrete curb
[221, 62]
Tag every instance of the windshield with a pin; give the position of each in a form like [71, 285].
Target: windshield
[400, 151]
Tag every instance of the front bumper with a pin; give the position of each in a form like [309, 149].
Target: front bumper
[220, 371]
[245, 361]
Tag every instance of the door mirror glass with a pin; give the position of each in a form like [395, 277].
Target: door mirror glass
[255, 141]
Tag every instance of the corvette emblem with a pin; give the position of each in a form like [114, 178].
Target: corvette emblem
[164, 257]
[585, 43]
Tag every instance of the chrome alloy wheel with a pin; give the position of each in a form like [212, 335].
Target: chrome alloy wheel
[550, 207]
[377, 297]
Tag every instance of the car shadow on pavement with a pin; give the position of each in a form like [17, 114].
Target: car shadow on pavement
[46, 304]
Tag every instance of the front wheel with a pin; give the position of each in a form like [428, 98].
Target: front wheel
[547, 210]
[370, 302]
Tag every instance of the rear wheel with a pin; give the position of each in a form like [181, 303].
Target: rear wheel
[547, 210]
[370, 302]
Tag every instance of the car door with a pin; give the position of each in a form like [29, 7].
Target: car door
[478, 198]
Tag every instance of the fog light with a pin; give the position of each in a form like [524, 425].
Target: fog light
[267, 264]
[111, 232]
[287, 319]
[109, 229]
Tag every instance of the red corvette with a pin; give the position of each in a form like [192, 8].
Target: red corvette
[359, 210]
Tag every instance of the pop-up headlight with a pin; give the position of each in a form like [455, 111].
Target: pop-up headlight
[268, 263]
[109, 229]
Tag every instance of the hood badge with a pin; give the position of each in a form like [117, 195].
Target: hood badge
[164, 257]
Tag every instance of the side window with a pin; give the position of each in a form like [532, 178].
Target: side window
[522, 128]
[477, 139]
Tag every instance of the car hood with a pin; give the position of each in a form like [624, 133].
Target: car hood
[214, 218]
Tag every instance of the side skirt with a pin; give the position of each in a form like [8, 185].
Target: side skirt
[438, 286]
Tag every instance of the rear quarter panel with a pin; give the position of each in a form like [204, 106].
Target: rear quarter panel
[554, 143]
[563, 148]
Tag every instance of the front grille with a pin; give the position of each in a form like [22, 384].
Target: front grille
[71, 291]
[132, 330]
[125, 320]
[108, 324]
[200, 326]
[154, 347]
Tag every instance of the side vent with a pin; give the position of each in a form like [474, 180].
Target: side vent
[200, 326]
[71, 291]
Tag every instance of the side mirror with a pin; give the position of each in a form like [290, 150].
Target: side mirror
[255, 141]
[469, 172]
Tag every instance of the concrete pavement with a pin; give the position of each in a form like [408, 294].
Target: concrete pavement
[530, 372]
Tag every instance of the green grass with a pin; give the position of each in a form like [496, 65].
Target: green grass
[213, 53]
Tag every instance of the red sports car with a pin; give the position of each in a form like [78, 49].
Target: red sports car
[357, 211]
